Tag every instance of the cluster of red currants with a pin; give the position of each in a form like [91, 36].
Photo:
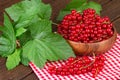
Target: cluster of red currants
[79, 65]
[85, 27]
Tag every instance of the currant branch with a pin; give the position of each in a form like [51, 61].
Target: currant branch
[90, 63]
[18, 43]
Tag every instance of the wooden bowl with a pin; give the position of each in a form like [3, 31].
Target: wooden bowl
[97, 48]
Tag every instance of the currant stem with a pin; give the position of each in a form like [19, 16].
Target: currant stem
[55, 32]
[96, 72]
[78, 11]
[90, 63]
[55, 23]
[18, 43]
[76, 60]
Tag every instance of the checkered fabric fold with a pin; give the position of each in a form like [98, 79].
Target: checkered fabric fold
[111, 70]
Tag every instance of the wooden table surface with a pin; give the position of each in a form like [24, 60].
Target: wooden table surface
[111, 8]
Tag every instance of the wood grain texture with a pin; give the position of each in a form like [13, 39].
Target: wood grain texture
[110, 8]
[57, 5]
[2, 62]
[117, 24]
[30, 77]
[4, 4]
[102, 2]
[15, 74]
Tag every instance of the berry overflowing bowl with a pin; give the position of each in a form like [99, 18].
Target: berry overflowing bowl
[87, 32]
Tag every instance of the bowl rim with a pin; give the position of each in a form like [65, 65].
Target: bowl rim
[115, 34]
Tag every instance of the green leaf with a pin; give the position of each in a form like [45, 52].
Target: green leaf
[34, 30]
[44, 44]
[92, 5]
[25, 37]
[79, 5]
[45, 11]
[24, 61]
[23, 12]
[62, 14]
[7, 40]
[37, 52]
[13, 59]
[20, 31]
[74, 4]
[52, 48]
[40, 28]
[59, 46]
[95, 6]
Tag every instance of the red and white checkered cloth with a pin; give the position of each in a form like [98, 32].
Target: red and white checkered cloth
[111, 69]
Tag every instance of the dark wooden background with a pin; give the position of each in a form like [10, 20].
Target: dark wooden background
[111, 8]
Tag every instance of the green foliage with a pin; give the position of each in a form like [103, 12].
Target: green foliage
[92, 5]
[74, 4]
[25, 37]
[20, 31]
[13, 59]
[41, 28]
[39, 51]
[58, 45]
[7, 39]
[33, 29]
[79, 5]
[23, 12]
